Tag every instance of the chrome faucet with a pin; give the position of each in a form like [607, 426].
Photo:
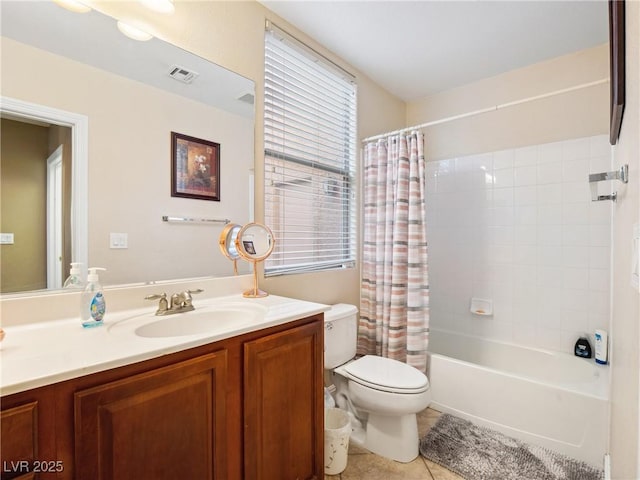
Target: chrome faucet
[179, 302]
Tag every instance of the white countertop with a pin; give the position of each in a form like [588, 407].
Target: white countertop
[43, 353]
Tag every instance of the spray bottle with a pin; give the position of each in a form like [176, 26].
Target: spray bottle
[92, 305]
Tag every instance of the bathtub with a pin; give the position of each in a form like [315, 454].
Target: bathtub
[551, 399]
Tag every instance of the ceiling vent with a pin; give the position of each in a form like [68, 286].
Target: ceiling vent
[247, 98]
[182, 74]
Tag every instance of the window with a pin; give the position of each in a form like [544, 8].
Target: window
[309, 147]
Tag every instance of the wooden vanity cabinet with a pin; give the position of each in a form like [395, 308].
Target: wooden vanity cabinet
[248, 407]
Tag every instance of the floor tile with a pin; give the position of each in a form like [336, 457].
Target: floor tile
[374, 467]
[364, 465]
[441, 473]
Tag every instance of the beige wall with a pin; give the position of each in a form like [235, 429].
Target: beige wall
[581, 113]
[232, 34]
[625, 330]
[24, 201]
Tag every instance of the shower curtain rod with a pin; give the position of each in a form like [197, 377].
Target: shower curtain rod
[488, 109]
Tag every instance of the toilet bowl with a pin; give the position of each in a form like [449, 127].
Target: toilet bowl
[383, 395]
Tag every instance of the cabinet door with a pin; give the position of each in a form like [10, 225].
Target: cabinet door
[19, 426]
[284, 412]
[164, 424]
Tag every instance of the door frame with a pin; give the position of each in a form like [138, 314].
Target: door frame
[79, 125]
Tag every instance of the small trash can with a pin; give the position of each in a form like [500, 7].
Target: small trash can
[337, 428]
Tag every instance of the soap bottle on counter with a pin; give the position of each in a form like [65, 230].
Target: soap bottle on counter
[74, 280]
[92, 304]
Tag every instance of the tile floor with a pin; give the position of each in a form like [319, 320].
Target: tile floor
[364, 465]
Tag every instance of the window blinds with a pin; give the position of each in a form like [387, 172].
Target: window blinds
[309, 147]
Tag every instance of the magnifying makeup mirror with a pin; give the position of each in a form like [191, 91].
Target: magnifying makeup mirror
[227, 243]
[254, 242]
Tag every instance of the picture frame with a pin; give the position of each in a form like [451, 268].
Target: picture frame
[617, 67]
[195, 168]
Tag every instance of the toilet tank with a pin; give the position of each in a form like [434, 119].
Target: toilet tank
[340, 334]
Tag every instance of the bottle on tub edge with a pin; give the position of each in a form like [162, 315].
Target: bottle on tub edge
[601, 347]
[583, 348]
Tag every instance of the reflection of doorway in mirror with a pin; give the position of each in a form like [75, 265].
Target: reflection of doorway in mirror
[55, 220]
[38, 258]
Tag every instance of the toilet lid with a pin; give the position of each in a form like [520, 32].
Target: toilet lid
[387, 373]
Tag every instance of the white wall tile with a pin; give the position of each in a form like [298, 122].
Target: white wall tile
[525, 156]
[549, 215]
[575, 170]
[575, 235]
[518, 226]
[503, 159]
[576, 149]
[599, 235]
[525, 234]
[525, 195]
[599, 257]
[550, 194]
[575, 277]
[503, 178]
[550, 172]
[526, 175]
[575, 213]
[599, 146]
[550, 235]
[550, 152]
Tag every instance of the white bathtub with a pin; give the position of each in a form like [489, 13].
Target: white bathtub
[551, 399]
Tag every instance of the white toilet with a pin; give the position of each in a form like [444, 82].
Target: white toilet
[383, 394]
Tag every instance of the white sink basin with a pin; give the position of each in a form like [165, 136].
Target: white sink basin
[205, 320]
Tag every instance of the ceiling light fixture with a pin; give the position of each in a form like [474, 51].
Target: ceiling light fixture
[133, 32]
[73, 5]
[162, 6]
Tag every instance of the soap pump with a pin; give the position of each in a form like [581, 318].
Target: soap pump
[74, 280]
[93, 305]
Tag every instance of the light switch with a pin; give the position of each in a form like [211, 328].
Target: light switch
[118, 240]
[6, 238]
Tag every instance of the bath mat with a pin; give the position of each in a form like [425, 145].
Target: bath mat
[478, 453]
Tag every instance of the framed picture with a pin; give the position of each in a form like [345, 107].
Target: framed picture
[195, 168]
[617, 67]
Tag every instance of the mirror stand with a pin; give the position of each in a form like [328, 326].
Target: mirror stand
[255, 292]
[254, 242]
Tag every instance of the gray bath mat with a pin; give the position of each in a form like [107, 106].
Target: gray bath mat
[478, 453]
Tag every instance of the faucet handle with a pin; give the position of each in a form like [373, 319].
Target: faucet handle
[163, 305]
[197, 290]
[156, 296]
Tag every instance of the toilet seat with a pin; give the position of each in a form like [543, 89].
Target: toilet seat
[385, 374]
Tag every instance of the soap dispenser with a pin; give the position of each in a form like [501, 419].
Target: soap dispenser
[92, 305]
[74, 280]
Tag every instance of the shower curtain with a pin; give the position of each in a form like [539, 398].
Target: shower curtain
[394, 308]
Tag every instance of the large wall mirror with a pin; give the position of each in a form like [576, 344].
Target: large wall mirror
[54, 60]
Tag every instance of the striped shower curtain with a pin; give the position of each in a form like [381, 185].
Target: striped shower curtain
[394, 308]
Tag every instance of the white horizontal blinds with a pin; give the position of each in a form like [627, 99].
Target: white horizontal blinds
[310, 131]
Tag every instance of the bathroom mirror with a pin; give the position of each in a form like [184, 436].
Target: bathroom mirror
[255, 243]
[227, 244]
[80, 63]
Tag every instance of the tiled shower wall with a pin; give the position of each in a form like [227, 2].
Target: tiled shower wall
[518, 227]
